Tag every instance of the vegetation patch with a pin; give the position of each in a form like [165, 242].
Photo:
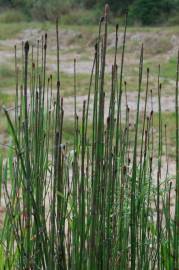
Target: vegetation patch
[92, 192]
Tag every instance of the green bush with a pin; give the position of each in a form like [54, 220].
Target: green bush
[81, 17]
[49, 10]
[150, 12]
[147, 12]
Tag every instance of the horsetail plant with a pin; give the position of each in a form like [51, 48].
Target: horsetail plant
[95, 202]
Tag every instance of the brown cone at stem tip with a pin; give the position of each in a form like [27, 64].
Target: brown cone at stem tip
[58, 84]
[124, 170]
[106, 10]
[102, 19]
[26, 46]
[45, 45]
[108, 120]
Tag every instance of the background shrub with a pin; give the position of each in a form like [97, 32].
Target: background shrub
[145, 12]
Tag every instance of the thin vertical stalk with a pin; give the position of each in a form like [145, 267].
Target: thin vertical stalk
[134, 173]
[176, 224]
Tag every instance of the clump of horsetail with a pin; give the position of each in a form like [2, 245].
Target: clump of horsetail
[96, 203]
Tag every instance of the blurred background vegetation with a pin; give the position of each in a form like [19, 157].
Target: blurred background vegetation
[141, 12]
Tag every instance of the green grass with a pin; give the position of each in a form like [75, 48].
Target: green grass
[12, 16]
[6, 99]
[67, 85]
[7, 76]
[168, 69]
[169, 119]
[10, 30]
